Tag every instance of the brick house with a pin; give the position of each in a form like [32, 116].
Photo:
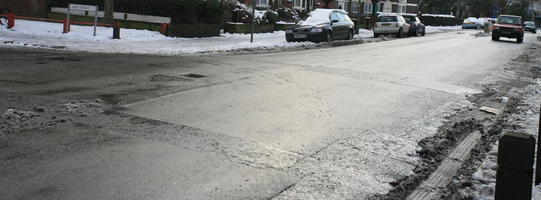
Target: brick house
[352, 6]
[29, 8]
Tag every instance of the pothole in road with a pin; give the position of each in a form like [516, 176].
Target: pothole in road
[113, 99]
[167, 78]
[536, 71]
[193, 75]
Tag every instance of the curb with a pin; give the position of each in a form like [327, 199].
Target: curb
[428, 190]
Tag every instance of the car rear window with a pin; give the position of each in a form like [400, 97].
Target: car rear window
[409, 18]
[387, 19]
[509, 20]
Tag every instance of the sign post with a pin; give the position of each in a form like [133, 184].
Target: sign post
[87, 8]
[253, 21]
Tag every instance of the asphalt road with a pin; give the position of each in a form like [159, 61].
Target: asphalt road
[336, 123]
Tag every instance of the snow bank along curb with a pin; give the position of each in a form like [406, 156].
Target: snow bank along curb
[447, 169]
[477, 179]
[49, 36]
[507, 95]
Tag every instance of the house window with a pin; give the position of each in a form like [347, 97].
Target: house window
[367, 7]
[380, 6]
[262, 3]
[401, 9]
[342, 4]
[356, 7]
[298, 4]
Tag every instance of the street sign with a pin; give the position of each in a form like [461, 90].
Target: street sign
[80, 7]
[83, 7]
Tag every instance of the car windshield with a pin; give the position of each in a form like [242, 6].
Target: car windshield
[509, 20]
[529, 23]
[316, 17]
[409, 18]
[387, 19]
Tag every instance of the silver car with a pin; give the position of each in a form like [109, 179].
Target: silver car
[530, 26]
[389, 24]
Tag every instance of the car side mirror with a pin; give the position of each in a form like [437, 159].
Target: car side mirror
[334, 21]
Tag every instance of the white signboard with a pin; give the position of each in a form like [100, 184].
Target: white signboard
[83, 7]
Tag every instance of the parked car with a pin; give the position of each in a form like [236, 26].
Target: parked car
[530, 26]
[322, 25]
[417, 27]
[509, 26]
[391, 24]
[472, 23]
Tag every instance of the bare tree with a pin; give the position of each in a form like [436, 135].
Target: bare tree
[374, 7]
[109, 9]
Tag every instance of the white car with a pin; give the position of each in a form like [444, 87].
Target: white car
[389, 24]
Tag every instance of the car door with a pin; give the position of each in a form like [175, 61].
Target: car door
[420, 25]
[335, 26]
[343, 29]
[404, 24]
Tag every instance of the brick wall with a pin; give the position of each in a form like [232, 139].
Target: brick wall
[29, 8]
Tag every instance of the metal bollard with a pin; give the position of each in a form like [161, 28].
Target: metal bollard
[11, 20]
[164, 29]
[67, 27]
[116, 30]
[516, 152]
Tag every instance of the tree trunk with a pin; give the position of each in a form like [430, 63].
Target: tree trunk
[109, 10]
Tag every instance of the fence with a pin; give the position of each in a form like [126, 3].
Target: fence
[117, 15]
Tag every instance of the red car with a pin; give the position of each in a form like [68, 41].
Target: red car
[509, 26]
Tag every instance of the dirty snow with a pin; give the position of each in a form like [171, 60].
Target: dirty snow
[439, 29]
[48, 35]
[485, 178]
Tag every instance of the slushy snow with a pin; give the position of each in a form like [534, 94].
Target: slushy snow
[48, 35]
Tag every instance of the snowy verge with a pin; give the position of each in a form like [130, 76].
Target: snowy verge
[440, 29]
[48, 35]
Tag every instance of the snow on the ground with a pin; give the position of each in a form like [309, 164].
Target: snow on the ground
[439, 29]
[365, 33]
[485, 178]
[49, 35]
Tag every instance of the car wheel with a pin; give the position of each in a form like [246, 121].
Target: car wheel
[495, 37]
[424, 32]
[376, 35]
[519, 40]
[350, 35]
[400, 33]
[288, 40]
[328, 37]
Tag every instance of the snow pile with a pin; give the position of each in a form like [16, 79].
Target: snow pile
[440, 29]
[439, 15]
[46, 29]
[49, 35]
[484, 180]
[365, 33]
